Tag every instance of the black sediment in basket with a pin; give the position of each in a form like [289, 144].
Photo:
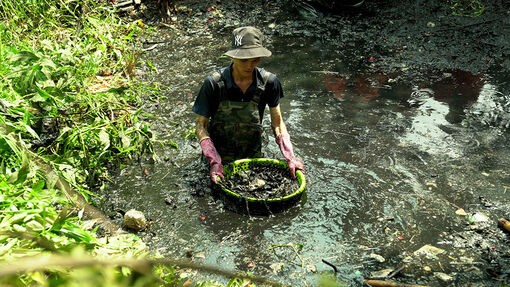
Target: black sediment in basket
[260, 205]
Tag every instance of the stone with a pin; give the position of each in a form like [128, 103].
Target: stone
[443, 277]
[429, 250]
[277, 267]
[377, 257]
[381, 274]
[135, 220]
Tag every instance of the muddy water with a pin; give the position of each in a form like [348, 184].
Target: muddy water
[388, 160]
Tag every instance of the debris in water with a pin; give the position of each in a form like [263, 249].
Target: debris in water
[277, 267]
[381, 274]
[504, 224]
[377, 257]
[381, 283]
[443, 277]
[460, 211]
[477, 217]
[330, 264]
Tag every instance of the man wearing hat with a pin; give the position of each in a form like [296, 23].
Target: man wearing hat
[231, 103]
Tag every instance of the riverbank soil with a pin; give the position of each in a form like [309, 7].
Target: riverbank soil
[408, 176]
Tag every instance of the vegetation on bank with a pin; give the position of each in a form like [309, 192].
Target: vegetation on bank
[68, 111]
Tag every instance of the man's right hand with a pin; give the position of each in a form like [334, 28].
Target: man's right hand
[216, 170]
[214, 159]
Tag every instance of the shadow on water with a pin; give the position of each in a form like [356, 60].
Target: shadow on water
[388, 164]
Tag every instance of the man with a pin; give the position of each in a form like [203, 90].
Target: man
[231, 103]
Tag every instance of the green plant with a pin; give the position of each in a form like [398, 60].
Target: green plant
[68, 110]
[189, 133]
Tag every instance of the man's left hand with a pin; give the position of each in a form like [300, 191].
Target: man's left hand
[283, 141]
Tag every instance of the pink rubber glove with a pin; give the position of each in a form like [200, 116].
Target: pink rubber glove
[214, 159]
[283, 141]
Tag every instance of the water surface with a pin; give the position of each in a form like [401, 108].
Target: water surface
[388, 162]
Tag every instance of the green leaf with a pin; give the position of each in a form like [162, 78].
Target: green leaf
[27, 81]
[32, 132]
[72, 230]
[125, 271]
[138, 111]
[104, 138]
[42, 92]
[17, 218]
[38, 186]
[150, 65]
[18, 228]
[235, 282]
[35, 226]
[126, 142]
[24, 56]
[38, 98]
[172, 144]
[20, 175]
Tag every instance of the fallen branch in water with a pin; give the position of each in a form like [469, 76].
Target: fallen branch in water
[293, 246]
[143, 266]
[330, 264]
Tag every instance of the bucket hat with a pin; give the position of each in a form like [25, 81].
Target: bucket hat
[247, 43]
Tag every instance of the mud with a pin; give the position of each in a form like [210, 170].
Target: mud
[400, 112]
[262, 182]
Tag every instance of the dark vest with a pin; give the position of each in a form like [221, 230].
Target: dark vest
[236, 128]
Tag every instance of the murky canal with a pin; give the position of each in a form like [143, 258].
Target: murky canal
[389, 161]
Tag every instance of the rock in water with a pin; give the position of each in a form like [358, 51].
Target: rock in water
[135, 220]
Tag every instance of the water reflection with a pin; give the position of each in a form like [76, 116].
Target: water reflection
[364, 87]
[456, 88]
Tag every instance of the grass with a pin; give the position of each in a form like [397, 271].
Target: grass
[67, 102]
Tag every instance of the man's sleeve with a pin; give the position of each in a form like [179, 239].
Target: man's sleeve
[275, 92]
[204, 101]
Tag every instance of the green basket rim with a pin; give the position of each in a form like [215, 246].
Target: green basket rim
[299, 176]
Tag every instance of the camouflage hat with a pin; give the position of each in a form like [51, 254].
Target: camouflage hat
[247, 43]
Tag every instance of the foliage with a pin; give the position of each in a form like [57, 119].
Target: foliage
[330, 281]
[36, 218]
[68, 96]
[68, 110]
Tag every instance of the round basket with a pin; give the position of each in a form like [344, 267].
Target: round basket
[259, 206]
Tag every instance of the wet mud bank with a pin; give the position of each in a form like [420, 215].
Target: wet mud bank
[400, 114]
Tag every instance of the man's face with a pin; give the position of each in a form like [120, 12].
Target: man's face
[245, 67]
